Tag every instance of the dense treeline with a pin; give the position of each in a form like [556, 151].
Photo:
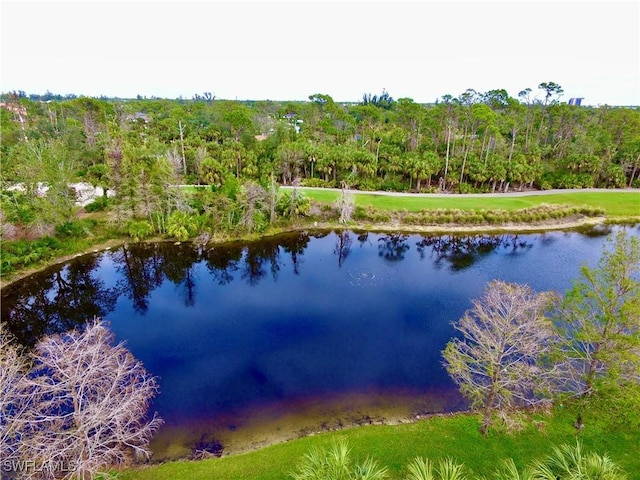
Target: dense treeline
[476, 141]
[138, 148]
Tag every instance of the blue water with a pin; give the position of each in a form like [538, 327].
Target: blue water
[230, 328]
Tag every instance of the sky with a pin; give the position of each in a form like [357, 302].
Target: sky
[289, 50]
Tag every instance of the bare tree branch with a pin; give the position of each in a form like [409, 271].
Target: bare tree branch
[496, 361]
[88, 403]
[13, 397]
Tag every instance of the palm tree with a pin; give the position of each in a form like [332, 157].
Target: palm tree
[509, 471]
[425, 469]
[567, 462]
[335, 463]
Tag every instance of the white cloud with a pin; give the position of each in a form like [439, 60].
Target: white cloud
[289, 50]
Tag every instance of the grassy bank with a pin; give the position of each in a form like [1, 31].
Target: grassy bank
[615, 203]
[394, 446]
[453, 213]
[24, 256]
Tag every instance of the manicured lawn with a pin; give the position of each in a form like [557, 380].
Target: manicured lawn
[194, 188]
[615, 203]
[395, 446]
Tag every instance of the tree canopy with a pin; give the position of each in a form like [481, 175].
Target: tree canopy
[140, 149]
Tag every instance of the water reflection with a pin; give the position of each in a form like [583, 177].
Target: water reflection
[222, 262]
[343, 246]
[461, 252]
[261, 258]
[141, 268]
[295, 249]
[57, 300]
[393, 247]
[63, 297]
[232, 329]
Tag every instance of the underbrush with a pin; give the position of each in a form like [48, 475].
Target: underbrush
[540, 214]
[66, 239]
[21, 253]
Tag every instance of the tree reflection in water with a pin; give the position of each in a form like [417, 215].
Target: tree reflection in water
[393, 247]
[295, 248]
[309, 328]
[58, 299]
[343, 246]
[141, 268]
[223, 261]
[258, 256]
[64, 297]
[461, 252]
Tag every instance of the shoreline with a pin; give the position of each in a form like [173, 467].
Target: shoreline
[28, 271]
[569, 224]
[513, 193]
[473, 229]
[278, 423]
[277, 428]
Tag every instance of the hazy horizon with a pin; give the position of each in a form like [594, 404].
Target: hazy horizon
[288, 50]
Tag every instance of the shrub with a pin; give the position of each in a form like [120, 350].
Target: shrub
[445, 469]
[75, 228]
[315, 182]
[98, 205]
[393, 184]
[465, 188]
[613, 176]
[336, 464]
[368, 184]
[570, 462]
[289, 206]
[361, 213]
[183, 226]
[566, 179]
[25, 252]
[139, 229]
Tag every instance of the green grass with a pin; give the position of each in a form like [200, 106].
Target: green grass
[615, 203]
[395, 446]
[190, 189]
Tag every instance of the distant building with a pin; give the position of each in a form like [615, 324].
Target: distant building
[139, 116]
[295, 123]
[576, 101]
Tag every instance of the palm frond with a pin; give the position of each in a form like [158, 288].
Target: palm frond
[420, 469]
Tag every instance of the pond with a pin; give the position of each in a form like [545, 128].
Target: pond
[262, 341]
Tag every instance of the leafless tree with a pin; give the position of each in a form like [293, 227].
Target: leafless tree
[88, 404]
[346, 204]
[251, 199]
[496, 362]
[174, 158]
[184, 158]
[13, 370]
